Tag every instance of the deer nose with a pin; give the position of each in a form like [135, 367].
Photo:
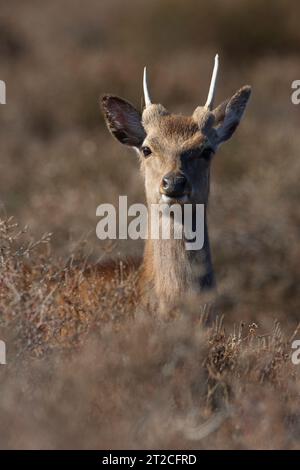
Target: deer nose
[174, 185]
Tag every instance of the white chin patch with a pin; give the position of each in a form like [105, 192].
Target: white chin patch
[173, 200]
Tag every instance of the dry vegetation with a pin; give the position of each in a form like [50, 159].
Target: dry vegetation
[86, 368]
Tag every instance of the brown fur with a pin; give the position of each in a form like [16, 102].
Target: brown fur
[179, 145]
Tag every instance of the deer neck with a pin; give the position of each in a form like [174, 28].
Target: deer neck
[173, 271]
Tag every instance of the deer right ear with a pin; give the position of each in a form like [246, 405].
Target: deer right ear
[123, 121]
[229, 113]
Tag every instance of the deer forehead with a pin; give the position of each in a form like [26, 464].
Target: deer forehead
[172, 133]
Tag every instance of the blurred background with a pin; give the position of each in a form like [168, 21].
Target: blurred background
[58, 161]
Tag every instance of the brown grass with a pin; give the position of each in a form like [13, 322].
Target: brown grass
[85, 367]
[88, 369]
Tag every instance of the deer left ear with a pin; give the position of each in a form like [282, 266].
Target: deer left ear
[229, 114]
[123, 121]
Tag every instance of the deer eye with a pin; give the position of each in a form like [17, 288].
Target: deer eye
[146, 151]
[206, 153]
[197, 153]
[192, 153]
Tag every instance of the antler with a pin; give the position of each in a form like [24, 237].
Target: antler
[211, 92]
[212, 88]
[145, 87]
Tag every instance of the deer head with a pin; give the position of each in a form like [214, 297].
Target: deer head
[175, 151]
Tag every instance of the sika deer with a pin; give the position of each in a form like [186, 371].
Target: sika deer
[175, 152]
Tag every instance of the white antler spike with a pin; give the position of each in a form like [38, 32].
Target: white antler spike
[145, 87]
[212, 88]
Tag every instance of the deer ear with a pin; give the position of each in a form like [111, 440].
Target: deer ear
[123, 121]
[229, 113]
